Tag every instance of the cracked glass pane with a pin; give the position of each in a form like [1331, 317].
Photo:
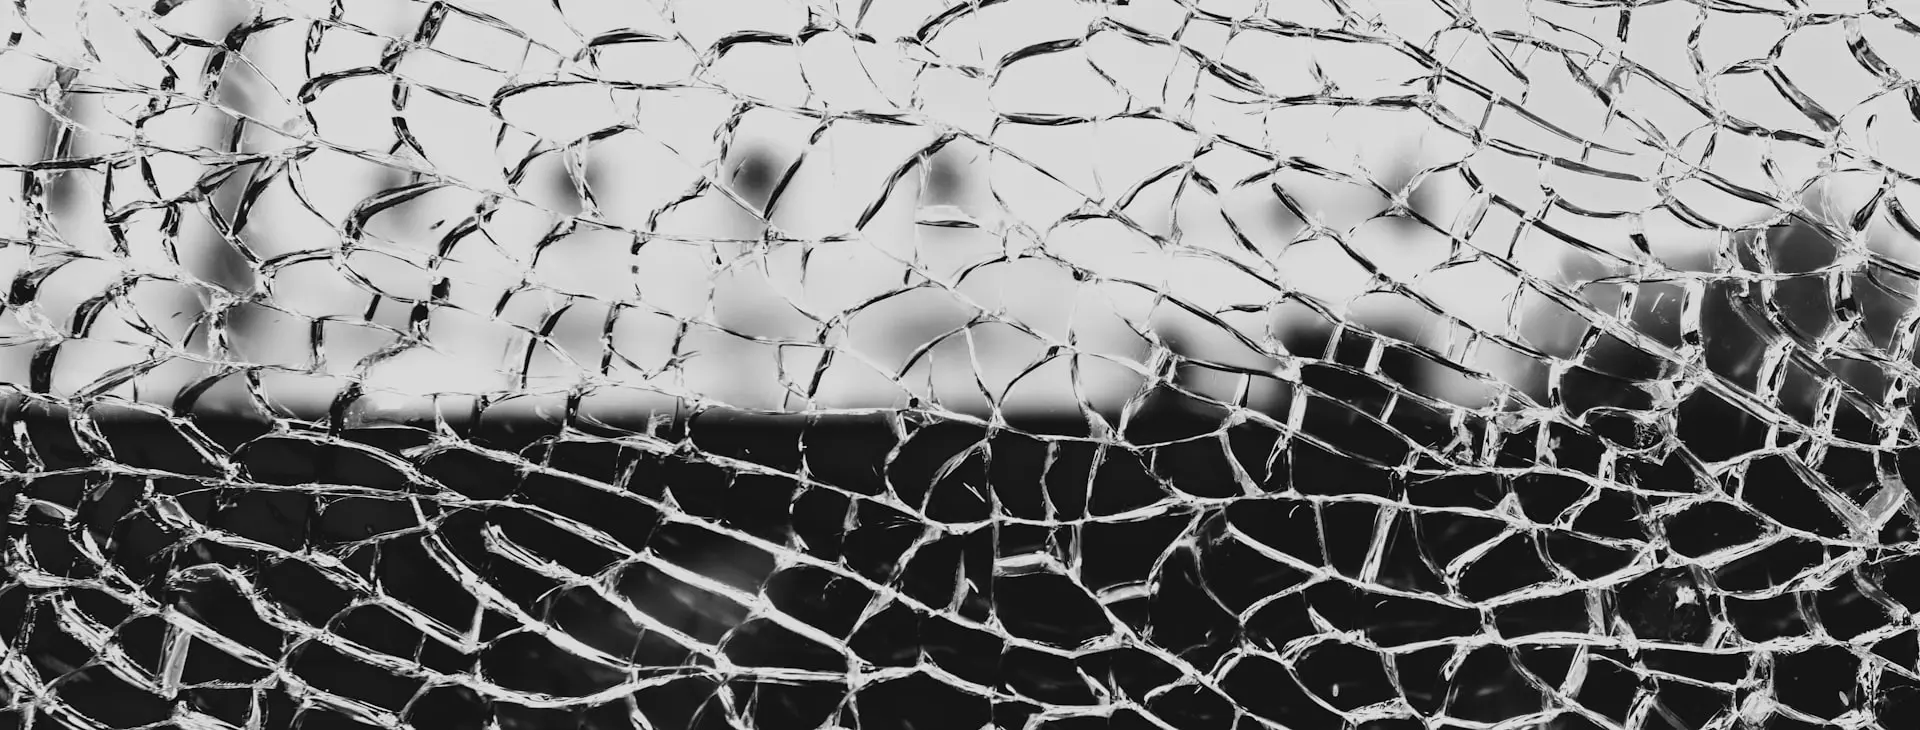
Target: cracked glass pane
[874, 364]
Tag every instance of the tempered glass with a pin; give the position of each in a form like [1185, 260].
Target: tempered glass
[926, 364]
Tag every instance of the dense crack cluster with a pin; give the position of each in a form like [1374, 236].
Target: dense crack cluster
[928, 364]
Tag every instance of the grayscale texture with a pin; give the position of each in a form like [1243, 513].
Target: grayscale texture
[925, 364]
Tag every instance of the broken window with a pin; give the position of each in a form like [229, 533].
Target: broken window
[928, 364]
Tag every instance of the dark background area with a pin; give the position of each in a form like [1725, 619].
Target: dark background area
[978, 494]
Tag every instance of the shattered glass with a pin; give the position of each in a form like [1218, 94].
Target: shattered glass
[930, 364]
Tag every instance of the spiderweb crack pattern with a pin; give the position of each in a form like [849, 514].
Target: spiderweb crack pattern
[927, 364]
